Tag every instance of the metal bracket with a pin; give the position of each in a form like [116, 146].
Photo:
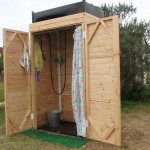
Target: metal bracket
[86, 123]
[84, 34]
[32, 116]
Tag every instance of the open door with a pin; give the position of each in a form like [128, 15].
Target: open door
[16, 83]
[103, 80]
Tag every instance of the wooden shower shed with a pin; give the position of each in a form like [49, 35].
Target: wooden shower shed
[28, 101]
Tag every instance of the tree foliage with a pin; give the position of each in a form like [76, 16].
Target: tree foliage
[135, 51]
[1, 64]
[122, 10]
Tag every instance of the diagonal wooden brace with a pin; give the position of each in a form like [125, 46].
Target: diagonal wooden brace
[24, 120]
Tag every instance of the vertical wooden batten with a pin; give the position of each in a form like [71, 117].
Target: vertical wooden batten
[32, 81]
[5, 79]
[117, 77]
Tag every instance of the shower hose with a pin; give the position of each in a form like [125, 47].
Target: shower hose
[51, 66]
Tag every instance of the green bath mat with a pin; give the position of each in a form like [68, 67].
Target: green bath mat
[69, 141]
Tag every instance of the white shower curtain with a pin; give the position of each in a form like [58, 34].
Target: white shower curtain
[77, 83]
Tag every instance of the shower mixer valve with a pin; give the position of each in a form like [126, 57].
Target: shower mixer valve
[59, 60]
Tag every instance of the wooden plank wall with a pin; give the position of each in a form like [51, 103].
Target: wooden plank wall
[43, 93]
[46, 99]
[67, 113]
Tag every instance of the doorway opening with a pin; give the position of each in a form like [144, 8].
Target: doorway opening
[53, 80]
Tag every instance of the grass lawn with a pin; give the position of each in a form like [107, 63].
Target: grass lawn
[132, 107]
[135, 132]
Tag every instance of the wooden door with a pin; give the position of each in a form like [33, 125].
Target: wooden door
[103, 80]
[16, 83]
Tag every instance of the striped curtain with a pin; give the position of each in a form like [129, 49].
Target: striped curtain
[77, 83]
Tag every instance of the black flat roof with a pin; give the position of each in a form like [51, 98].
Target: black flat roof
[68, 10]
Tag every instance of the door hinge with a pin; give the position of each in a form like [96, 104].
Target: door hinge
[86, 123]
[84, 34]
[32, 116]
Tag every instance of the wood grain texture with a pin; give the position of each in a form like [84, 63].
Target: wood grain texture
[16, 83]
[103, 80]
[70, 20]
[46, 99]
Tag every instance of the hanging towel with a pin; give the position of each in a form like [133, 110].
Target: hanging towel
[38, 57]
[24, 61]
[77, 83]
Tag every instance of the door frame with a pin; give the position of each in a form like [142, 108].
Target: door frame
[33, 81]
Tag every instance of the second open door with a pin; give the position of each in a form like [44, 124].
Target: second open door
[16, 82]
[103, 80]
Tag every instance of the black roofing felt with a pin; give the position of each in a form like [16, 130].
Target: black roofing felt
[68, 10]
